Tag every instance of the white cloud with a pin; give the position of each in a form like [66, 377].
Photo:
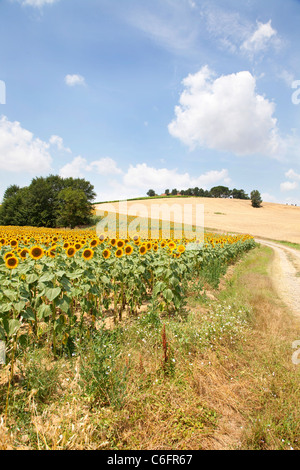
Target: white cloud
[142, 177]
[105, 166]
[288, 186]
[225, 114]
[79, 166]
[59, 143]
[20, 151]
[291, 174]
[293, 183]
[260, 39]
[75, 169]
[137, 180]
[172, 25]
[37, 3]
[226, 27]
[73, 80]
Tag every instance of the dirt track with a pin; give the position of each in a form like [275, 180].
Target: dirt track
[285, 273]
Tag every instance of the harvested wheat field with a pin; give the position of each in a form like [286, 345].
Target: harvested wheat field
[274, 221]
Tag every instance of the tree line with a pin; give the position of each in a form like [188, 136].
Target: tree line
[51, 202]
[216, 191]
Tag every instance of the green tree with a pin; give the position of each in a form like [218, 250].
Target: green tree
[256, 199]
[74, 208]
[40, 204]
[239, 194]
[218, 191]
[151, 193]
[13, 210]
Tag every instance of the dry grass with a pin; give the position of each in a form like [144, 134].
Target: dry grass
[274, 221]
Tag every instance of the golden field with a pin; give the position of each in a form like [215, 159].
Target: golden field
[274, 221]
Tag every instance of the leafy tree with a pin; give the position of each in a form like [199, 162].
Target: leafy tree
[239, 194]
[41, 203]
[151, 193]
[13, 210]
[74, 208]
[167, 192]
[218, 191]
[256, 199]
[174, 192]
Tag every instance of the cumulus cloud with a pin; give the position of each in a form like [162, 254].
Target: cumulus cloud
[225, 113]
[291, 174]
[58, 142]
[79, 166]
[143, 177]
[288, 186]
[73, 80]
[20, 151]
[293, 183]
[261, 37]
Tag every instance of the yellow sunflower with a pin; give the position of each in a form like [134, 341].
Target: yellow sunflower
[143, 249]
[70, 251]
[128, 249]
[9, 254]
[87, 254]
[23, 253]
[106, 253]
[36, 252]
[113, 241]
[120, 243]
[14, 243]
[11, 262]
[94, 242]
[119, 253]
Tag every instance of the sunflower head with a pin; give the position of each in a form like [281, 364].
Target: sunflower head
[11, 262]
[87, 254]
[143, 249]
[94, 242]
[119, 253]
[23, 253]
[106, 253]
[36, 252]
[70, 251]
[120, 243]
[128, 249]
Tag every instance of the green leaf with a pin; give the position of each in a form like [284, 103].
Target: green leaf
[44, 311]
[52, 293]
[47, 277]
[19, 306]
[10, 294]
[168, 295]
[28, 314]
[11, 327]
[31, 278]
[64, 304]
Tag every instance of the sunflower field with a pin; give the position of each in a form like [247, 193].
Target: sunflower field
[59, 285]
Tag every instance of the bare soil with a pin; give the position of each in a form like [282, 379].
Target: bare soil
[285, 274]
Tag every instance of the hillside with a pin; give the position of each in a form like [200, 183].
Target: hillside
[275, 221]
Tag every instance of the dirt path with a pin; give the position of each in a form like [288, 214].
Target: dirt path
[285, 273]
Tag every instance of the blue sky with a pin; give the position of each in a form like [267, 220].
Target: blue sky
[133, 95]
